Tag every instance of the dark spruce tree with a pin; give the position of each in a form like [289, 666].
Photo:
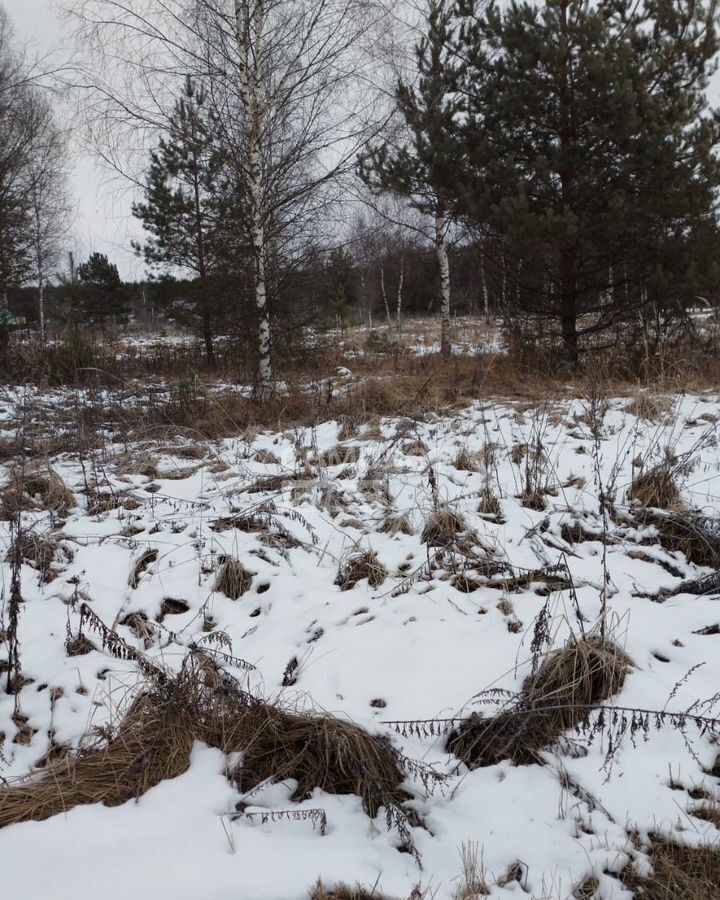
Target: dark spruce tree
[586, 142]
[183, 208]
[100, 292]
[417, 164]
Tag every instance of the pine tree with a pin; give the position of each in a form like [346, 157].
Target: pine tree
[184, 210]
[420, 168]
[100, 292]
[586, 142]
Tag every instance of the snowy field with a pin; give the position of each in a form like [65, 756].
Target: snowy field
[142, 543]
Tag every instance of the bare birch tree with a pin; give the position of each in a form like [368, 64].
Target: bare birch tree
[279, 75]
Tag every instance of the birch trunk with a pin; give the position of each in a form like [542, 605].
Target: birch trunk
[249, 29]
[483, 283]
[384, 296]
[398, 307]
[444, 267]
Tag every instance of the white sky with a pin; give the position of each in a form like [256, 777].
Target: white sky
[103, 221]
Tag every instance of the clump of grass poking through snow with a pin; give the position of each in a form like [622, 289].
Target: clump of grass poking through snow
[679, 872]
[569, 682]
[465, 461]
[697, 536]
[35, 488]
[396, 523]
[343, 892]
[358, 566]
[347, 892]
[646, 406]
[473, 884]
[443, 528]
[655, 488]
[489, 505]
[154, 739]
[146, 558]
[233, 579]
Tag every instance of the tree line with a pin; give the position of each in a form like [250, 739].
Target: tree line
[550, 162]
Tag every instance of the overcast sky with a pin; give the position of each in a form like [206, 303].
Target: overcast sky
[103, 221]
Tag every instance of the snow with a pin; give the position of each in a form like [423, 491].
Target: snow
[427, 651]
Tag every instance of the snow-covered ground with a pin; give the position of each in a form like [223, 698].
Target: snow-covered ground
[416, 643]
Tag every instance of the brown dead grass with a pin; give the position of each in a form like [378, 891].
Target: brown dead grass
[154, 739]
[233, 579]
[35, 488]
[465, 461]
[443, 528]
[396, 523]
[583, 673]
[489, 505]
[46, 553]
[648, 406]
[655, 488]
[680, 872]
[344, 892]
[141, 564]
[359, 566]
[474, 882]
[693, 535]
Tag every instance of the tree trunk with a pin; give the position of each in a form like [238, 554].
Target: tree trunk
[568, 307]
[444, 267]
[484, 286]
[398, 307]
[568, 140]
[207, 330]
[249, 27]
[384, 296]
[41, 307]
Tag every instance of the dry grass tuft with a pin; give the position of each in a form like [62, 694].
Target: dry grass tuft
[473, 884]
[153, 743]
[266, 457]
[35, 488]
[582, 674]
[466, 461]
[337, 456]
[344, 892]
[489, 505]
[698, 537]
[358, 566]
[172, 607]
[233, 579]
[680, 872]
[415, 448]
[655, 488]
[319, 751]
[154, 739]
[396, 523]
[80, 645]
[146, 558]
[646, 406]
[708, 811]
[443, 528]
[587, 889]
[45, 553]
